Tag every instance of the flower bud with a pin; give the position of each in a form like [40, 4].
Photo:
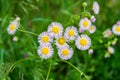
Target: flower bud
[84, 4]
[90, 51]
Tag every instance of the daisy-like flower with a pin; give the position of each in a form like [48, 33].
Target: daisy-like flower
[65, 53]
[55, 29]
[116, 29]
[85, 23]
[13, 26]
[83, 42]
[45, 51]
[107, 33]
[96, 7]
[92, 29]
[61, 42]
[44, 37]
[111, 50]
[70, 33]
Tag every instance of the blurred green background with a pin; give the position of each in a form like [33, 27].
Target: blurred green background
[35, 16]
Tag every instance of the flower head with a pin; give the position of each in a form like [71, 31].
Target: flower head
[44, 38]
[61, 42]
[83, 42]
[85, 23]
[92, 29]
[116, 29]
[65, 53]
[45, 51]
[96, 7]
[70, 33]
[107, 33]
[13, 26]
[55, 29]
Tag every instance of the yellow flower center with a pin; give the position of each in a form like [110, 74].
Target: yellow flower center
[117, 28]
[65, 52]
[71, 33]
[95, 7]
[61, 41]
[55, 29]
[12, 27]
[45, 38]
[91, 28]
[85, 23]
[45, 51]
[83, 42]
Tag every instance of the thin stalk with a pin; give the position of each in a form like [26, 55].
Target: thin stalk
[74, 68]
[27, 32]
[2, 56]
[49, 69]
[29, 40]
[15, 63]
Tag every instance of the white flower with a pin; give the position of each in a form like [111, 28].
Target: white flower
[92, 29]
[55, 29]
[96, 7]
[61, 42]
[90, 51]
[85, 23]
[44, 37]
[93, 19]
[116, 29]
[70, 33]
[13, 26]
[107, 33]
[45, 51]
[111, 50]
[83, 42]
[65, 53]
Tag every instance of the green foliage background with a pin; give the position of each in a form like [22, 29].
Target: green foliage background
[35, 16]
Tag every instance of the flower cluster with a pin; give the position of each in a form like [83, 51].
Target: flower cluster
[112, 33]
[62, 38]
[56, 35]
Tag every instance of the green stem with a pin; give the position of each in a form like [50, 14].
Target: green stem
[8, 71]
[49, 69]
[74, 68]
[28, 38]
[2, 56]
[84, 9]
[28, 32]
